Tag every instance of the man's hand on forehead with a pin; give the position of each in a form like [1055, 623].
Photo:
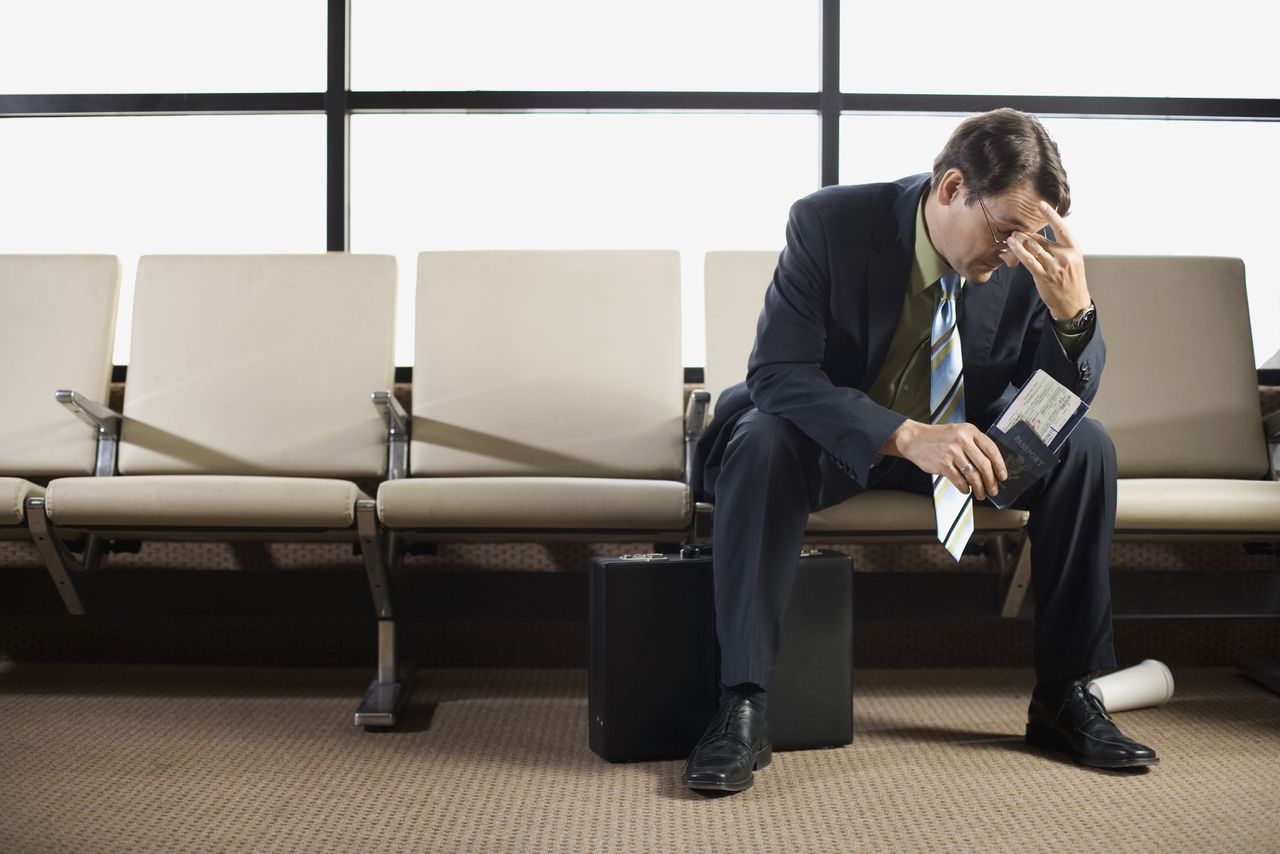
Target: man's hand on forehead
[1057, 266]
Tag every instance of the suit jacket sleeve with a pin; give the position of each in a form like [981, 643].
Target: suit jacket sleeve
[785, 375]
[1042, 350]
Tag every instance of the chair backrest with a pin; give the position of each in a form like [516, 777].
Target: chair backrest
[552, 363]
[1179, 394]
[57, 328]
[735, 286]
[259, 365]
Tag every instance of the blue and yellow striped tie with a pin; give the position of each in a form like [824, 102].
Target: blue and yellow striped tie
[952, 508]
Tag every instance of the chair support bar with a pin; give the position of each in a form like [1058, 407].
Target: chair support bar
[58, 559]
[375, 564]
[1271, 429]
[397, 421]
[1019, 582]
[104, 420]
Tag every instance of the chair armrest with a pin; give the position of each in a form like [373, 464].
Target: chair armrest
[397, 421]
[695, 414]
[103, 419]
[695, 422]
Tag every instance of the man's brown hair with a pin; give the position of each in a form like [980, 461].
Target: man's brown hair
[1002, 149]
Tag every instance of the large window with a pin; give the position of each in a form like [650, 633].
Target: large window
[73, 46]
[161, 184]
[1090, 48]
[399, 126]
[592, 45]
[630, 181]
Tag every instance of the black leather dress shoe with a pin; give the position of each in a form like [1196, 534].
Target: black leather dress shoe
[736, 743]
[1069, 719]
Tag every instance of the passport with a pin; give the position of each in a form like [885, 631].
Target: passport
[1025, 456]
[1030, 432]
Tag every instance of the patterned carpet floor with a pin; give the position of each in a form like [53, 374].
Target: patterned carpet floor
[135, 758]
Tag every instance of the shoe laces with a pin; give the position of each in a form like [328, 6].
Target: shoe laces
[723, 724]
[730, 713]
[1094, 702]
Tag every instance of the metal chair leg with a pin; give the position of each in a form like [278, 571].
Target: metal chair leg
[997, 549]
[378, 709]
[382, 698]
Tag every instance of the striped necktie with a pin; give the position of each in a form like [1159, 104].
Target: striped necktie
[952, 508]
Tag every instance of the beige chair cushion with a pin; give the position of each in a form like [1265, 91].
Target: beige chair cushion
[259, 365]
[734, 295]
[57, 328]
[14, 492]
[202, 501]
[548, 363]
[565, 503]
[897, 512]
[1179, 393]
[1198, 506]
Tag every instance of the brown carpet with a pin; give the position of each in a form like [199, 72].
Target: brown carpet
[132, 758]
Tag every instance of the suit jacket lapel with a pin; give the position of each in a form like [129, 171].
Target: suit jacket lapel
[887, 275]
[979, 312]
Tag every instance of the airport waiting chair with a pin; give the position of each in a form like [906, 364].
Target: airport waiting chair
[247, 409]
[1180, 399]
[57, 329]
[735, 285]
[547, 405]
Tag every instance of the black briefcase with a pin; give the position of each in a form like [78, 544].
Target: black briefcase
[655, 664]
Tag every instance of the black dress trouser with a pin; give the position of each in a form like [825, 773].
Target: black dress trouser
[772, 476]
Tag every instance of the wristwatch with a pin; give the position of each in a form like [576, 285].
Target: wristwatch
[1082, 322]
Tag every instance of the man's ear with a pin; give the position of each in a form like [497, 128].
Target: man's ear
[950, 186]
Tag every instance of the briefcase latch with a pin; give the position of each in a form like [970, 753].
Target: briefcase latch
[647, 556]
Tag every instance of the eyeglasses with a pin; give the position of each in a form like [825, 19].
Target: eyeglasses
[1001, 245]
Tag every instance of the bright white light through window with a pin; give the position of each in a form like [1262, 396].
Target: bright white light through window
[603, 181]
[135, 186]
[1224, 49]
[674, 45]
[125, 46]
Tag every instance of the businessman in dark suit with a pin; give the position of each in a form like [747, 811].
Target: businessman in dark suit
[837, 401]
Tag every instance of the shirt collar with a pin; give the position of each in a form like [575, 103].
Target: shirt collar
[928, 266]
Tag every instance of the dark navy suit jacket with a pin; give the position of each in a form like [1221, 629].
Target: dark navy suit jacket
[830, 314]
